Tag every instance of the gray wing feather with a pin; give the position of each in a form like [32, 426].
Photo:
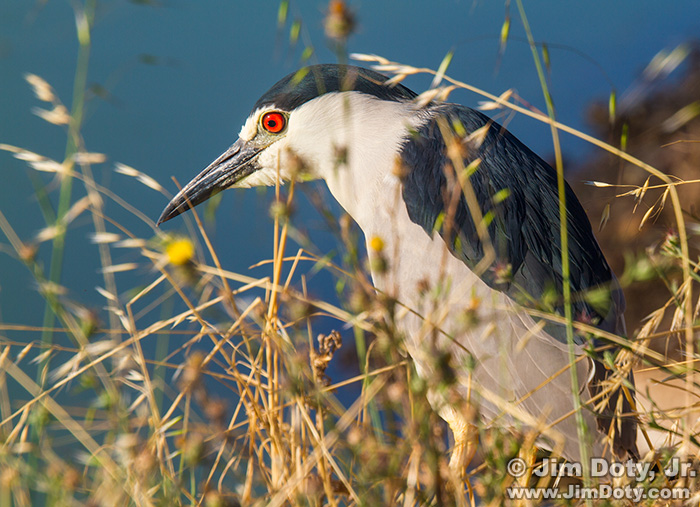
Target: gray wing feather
[517, 191]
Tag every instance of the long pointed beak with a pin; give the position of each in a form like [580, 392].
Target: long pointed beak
[232, 166]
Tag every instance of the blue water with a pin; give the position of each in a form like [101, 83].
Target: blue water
[209, 62]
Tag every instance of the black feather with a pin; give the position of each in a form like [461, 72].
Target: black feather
[315, 80]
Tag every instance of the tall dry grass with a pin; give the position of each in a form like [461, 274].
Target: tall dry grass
[243, 411]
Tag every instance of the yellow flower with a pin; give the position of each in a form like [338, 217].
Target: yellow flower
[376, 243]
[180, 251]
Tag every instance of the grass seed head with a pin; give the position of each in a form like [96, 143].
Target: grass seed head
[339, 23]
[41, 88]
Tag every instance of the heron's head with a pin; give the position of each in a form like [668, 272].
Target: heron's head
[307, 126]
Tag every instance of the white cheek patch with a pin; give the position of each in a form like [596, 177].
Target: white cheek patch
[250, 127]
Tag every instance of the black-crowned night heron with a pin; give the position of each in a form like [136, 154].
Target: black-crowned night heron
[467, 212]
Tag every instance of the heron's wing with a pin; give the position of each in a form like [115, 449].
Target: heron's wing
[517, 197]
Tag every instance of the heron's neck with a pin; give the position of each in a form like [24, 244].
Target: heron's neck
[359, 152]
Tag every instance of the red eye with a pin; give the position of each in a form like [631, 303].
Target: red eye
[274, 122]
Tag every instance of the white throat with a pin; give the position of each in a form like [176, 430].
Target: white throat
[357, 149]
